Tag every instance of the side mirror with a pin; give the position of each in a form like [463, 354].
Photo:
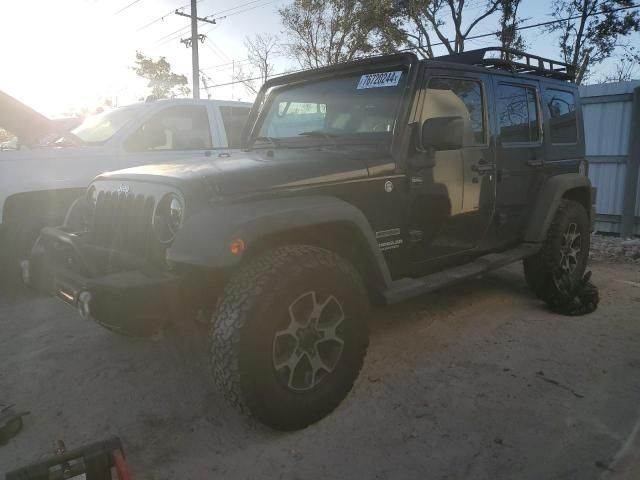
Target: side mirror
[442, 133]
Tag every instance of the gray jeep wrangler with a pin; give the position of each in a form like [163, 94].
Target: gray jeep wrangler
[367, 182]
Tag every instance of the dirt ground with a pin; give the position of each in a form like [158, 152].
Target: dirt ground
[478, 381]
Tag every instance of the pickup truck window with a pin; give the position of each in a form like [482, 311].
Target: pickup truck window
[234, 119]
[354, 104]
[97, 129]
[183, 127]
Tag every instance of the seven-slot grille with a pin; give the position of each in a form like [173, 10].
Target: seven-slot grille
[123, 221]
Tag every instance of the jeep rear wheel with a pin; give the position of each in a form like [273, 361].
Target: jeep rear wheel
[565, 251]
[289, 335]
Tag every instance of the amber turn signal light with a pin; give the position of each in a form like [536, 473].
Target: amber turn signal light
[236, 246]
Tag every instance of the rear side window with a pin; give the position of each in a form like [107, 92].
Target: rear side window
[174, 128]
[518, 114]
[456, 97]
[561, 106]
[234, 119]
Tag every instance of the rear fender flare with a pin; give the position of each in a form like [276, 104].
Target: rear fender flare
[547, 203]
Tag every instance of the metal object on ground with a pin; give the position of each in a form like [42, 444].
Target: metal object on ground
[10, 423]
[92, 462]
[574, 298]
[84, 304]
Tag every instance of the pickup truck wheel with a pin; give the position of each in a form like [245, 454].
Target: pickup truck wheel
[17, 245]
[289, 335]
[564, 252]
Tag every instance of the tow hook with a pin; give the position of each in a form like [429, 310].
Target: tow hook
[25, 268]
[84, 304]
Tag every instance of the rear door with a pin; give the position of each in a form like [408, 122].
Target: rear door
[452, 202]
[520, 153]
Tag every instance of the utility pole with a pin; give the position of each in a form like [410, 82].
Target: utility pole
[195, 61]
[193, 43]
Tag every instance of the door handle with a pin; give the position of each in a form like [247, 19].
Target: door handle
[482, 167]
[535, 161]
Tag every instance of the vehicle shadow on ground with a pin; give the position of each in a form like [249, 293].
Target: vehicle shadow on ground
[156, 394]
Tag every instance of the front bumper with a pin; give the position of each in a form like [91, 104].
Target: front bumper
[118, 290]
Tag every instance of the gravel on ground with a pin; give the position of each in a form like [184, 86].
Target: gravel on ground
[478, 381]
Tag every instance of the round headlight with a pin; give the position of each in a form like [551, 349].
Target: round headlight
[92, 196]
[176, 211]
[168, 217]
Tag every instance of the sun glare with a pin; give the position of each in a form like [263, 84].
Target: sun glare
[68, 62]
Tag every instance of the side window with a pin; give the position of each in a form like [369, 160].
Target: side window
[234, 119]
[456, 97]
[561, 105]
[518, 114]
[174, 128]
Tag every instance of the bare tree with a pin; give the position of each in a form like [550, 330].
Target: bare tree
[324, 32]
[427, 18]
[261, 48]
[623, 71]
[590, 39]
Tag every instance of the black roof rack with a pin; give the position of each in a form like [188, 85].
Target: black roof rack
[515, 61]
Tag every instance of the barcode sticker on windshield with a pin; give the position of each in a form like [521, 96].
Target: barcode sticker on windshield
[377, 80]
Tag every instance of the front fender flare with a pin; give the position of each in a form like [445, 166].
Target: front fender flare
[205, 237]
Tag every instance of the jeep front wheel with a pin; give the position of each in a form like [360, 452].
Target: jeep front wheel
[565, 251]
[289, 335]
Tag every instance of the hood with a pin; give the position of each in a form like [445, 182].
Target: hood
[257, 171]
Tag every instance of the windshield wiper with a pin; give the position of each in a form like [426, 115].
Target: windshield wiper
[275, 142]
[319, 134]
[68, 139]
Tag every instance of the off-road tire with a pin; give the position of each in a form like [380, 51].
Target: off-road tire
[254, 302]
[539, 269]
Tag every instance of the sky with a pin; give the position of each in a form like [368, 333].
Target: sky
[67, 55]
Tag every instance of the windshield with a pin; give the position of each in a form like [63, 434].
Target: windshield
[357, 104]
[97, 129]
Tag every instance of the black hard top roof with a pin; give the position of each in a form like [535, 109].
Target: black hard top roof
[494, 60]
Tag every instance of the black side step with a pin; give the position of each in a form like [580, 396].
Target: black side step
[406, 288]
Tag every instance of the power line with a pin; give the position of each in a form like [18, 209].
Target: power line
[170, 12]
[236, 7]
[210, 46]
[125, 7]
[226, 66]
[484, 35]
[215, 48]
[162, 17]
[173, 35]
[247, 9]
[178, 33]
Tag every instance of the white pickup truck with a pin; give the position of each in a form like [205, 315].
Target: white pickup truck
[38, 184]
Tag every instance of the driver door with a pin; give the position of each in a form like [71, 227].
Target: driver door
[452, 201]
